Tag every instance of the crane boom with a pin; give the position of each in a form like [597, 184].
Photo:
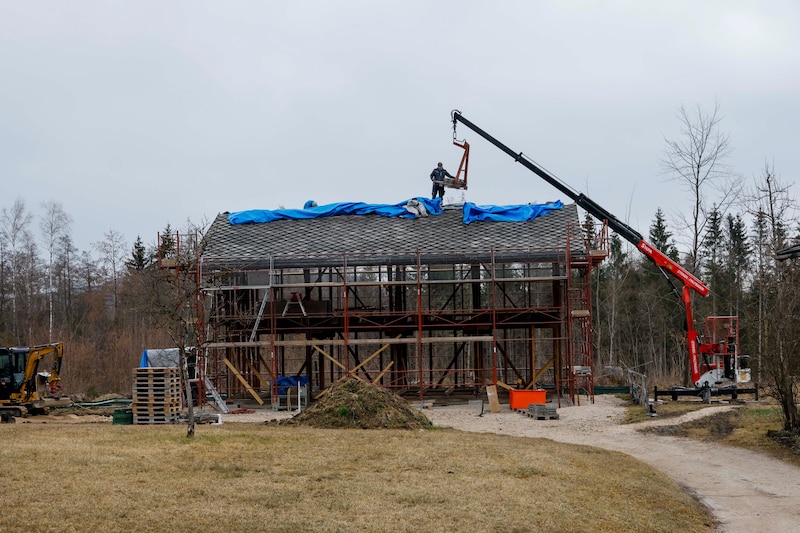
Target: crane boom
[590, 206]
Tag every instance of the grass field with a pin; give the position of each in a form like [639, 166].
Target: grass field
[257, 477]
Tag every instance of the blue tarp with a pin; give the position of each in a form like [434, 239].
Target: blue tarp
[285, 382]
[405, 209]
[253, 216]
[161, 358]
[508, 213]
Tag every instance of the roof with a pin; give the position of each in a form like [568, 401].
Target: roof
[375, 240]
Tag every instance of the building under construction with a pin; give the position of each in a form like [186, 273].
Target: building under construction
[429, 307]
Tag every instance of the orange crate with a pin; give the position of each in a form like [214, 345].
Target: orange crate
[521, 399]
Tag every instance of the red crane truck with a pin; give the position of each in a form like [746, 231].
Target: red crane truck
[715, 362]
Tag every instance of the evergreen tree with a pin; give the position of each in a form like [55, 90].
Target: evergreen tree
[712, 258]
[166, 243]
[739, 252]
[139, 259]
[661, 237]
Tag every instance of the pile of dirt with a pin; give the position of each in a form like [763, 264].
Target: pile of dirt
[353, 403]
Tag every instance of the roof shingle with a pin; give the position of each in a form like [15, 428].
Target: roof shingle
[373, 240]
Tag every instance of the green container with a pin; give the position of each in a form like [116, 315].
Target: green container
[123, 416]
[612, 390]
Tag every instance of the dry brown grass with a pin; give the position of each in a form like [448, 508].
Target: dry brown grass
[248, 477]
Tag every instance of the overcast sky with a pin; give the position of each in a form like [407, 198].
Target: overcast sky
[133, 115]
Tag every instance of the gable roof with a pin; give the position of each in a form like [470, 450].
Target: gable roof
[376, 240]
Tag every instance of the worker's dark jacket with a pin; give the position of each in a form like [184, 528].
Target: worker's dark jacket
[439, 174]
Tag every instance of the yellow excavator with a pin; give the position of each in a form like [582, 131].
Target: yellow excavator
[25, 388]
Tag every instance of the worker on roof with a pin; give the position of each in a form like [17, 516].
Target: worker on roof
[437, 177]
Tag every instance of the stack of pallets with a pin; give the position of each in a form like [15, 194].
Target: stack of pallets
[156, 395]
[541, 411]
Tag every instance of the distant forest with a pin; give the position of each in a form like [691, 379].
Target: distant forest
[103, 304]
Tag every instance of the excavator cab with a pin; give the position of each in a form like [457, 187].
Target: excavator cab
[12, 371]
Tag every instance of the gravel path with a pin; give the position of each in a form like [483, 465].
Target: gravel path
[746, 491]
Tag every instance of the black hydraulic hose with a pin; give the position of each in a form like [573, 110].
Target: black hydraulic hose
[622, 229]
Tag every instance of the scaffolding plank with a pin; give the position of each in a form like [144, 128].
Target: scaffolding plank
[353, 342]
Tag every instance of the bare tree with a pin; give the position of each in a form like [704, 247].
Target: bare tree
[697, 161]
[15, 233]
[54, 226]
[778, 291]
[174, 298]
[113, 251]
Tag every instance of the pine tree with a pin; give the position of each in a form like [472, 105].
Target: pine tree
[739, 253]
[712, 258]
[139, 259]
[661, 237]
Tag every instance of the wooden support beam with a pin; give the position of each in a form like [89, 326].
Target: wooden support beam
[263, 362]
[542, 370]
[501, 384]
[384, 371]
[374, 354]
[330, 357]
[254, 370]
[244, 382]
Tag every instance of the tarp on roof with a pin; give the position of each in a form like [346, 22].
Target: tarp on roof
[406, 209]
[412, 208]
[508, 213]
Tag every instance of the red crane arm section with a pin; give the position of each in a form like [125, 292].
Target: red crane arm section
[673, 268]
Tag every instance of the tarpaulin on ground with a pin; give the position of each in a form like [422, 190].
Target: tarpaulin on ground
[285, 382]
[412, 208]
[508, 213]
[161, 358]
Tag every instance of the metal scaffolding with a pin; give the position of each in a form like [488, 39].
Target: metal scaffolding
[421, 324]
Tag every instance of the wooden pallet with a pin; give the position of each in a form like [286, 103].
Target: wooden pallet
[542, 411]
[154, 419]
[163, 383]
[157, 394]
[158, 409]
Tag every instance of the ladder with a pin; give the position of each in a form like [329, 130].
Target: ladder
[260, 314]
[214, 394]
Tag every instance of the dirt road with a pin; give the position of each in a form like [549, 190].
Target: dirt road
[746, 491]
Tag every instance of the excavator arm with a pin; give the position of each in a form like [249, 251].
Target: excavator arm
[28, 390]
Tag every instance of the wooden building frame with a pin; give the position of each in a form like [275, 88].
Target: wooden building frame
[426, 307]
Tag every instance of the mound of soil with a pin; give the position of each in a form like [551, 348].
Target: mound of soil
[355, 404]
